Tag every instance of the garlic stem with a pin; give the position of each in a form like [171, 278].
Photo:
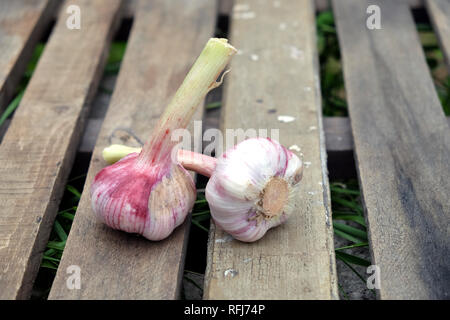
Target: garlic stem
[197, 162]
[198, 82]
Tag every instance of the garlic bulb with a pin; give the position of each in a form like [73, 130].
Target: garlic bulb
[148, 193]
[253, 187]
[148, 201]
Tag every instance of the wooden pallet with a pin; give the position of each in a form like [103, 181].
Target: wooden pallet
[396, 129]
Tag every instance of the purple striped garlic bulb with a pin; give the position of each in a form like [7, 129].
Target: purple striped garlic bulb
[253, 187]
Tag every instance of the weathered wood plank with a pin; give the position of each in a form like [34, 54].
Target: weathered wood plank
[338, 134]
[22, 23]
[38, 149]
[325, 4]
[402, 144]
[224, 7]
[439, 11]
[165, 40]
[276, 73]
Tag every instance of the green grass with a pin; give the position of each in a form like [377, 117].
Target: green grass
[332, 82]
[346, 207]
[61, 227]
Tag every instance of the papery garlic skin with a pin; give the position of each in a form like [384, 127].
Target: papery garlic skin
[151, 203]
[253, 188]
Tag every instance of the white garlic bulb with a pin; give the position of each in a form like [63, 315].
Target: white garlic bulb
[253, 187]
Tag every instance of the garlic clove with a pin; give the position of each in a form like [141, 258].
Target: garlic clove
[253, 188]
[115, 152]
[169, 203]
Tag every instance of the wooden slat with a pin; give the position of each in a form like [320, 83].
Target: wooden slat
[224, 7]
[166, 38]
[38, 149]
[402, 144]
[439, 12]
[22, 23]
[276, 68]
[325, 4]
[338, 135]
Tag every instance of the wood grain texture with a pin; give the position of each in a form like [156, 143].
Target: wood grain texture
[325, 4]
[338, 134]
[166, 38]
[38, 149]
[439, 12]
[22, 23]
[224, 7]
[402, 144]
[276, 73]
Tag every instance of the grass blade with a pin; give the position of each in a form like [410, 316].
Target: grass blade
[11, 107]
[343, 292]
[74, 191]
[52, 259]
[345, 191]
[62, 235]
[56, 245]
[199, 225]
[201, 213]
[350, 217]
[349, 258]
[356, 245]
[346, 236]
[67, 215]
[213, 105]
[348, 204]
[351, 230]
